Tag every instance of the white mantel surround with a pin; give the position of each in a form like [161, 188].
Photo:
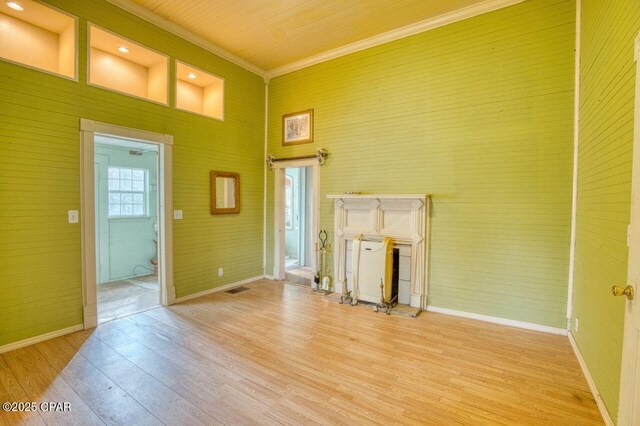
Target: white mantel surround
[403, 217]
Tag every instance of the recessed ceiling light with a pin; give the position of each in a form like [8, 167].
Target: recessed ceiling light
[15, 6]
[191, 75]
[123, 49]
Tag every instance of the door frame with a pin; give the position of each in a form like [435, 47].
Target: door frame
[103, 275]
[629, 394]
[302, 216]
[279, 229]
[88, 129]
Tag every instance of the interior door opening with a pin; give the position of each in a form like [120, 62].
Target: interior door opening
[298, 224]
[127, 176]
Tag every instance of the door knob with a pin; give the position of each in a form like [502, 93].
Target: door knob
[619, 291]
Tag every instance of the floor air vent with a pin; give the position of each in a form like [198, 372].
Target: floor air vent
[236, 290]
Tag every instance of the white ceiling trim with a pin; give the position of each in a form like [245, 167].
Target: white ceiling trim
[406, 31]
[149, 16]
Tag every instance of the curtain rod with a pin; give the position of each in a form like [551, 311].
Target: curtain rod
[321, 154]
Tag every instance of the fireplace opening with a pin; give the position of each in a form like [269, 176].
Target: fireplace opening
[395, 278]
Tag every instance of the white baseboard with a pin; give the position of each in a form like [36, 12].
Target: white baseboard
[269, 277]
[592, 385]
[497, 320]
[41, 338]
[218, 289]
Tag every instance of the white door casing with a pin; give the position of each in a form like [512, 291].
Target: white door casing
[301, 214]
[88, 129]
[629, 409]
[279, 228]
[102, 225]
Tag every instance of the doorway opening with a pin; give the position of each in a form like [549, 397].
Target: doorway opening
[296, 219]
[127, 233]
[126, 212]
[298, 224]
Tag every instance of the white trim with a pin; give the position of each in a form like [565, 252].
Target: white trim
[88, 129]
[576, 143]
[264, 177]
[218, 289]
[278, 214]
[406, 31]
[422, 197]
[158, 21]
[497, 320]
[592, 385]
[87, 223]
[628, 407]
[269, 277]
[120, 92]
[41, 338]
[124, 132]
[279, 263]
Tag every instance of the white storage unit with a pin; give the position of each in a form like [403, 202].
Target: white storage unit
[372, 259]
[404, 268]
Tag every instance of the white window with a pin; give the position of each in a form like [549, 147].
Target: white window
[127, 192]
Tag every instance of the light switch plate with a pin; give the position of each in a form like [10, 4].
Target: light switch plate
[177, 214]
[74, 216]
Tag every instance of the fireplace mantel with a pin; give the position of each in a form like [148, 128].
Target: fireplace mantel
[422, 197]
[402, 217]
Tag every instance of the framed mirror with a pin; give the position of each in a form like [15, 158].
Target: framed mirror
[225, 192]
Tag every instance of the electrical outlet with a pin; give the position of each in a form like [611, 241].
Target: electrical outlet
[576, 325]
[73, 216]
[220, 272]
[177, 214]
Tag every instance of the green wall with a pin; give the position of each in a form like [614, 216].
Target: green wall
[40, 267]
[607, 82]
[479, 114]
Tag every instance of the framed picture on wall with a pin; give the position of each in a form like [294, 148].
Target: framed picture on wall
[297, 128]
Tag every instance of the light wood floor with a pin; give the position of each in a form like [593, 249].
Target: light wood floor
[301, 275]
[281, 354]
[121, 298]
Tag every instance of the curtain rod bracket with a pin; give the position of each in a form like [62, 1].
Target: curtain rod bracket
[321, 155]
[270, 160]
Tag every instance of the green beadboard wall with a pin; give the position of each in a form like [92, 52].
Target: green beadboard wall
[479, 114]
[40, 267]
[607, 82]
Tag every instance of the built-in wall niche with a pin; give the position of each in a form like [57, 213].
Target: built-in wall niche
[199, 91]
[38, 36]
[121, 65]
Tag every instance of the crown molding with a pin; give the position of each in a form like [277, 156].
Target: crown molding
[157, 20]
[406, 31]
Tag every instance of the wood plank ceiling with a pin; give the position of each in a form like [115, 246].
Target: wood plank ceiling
[273, 33]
